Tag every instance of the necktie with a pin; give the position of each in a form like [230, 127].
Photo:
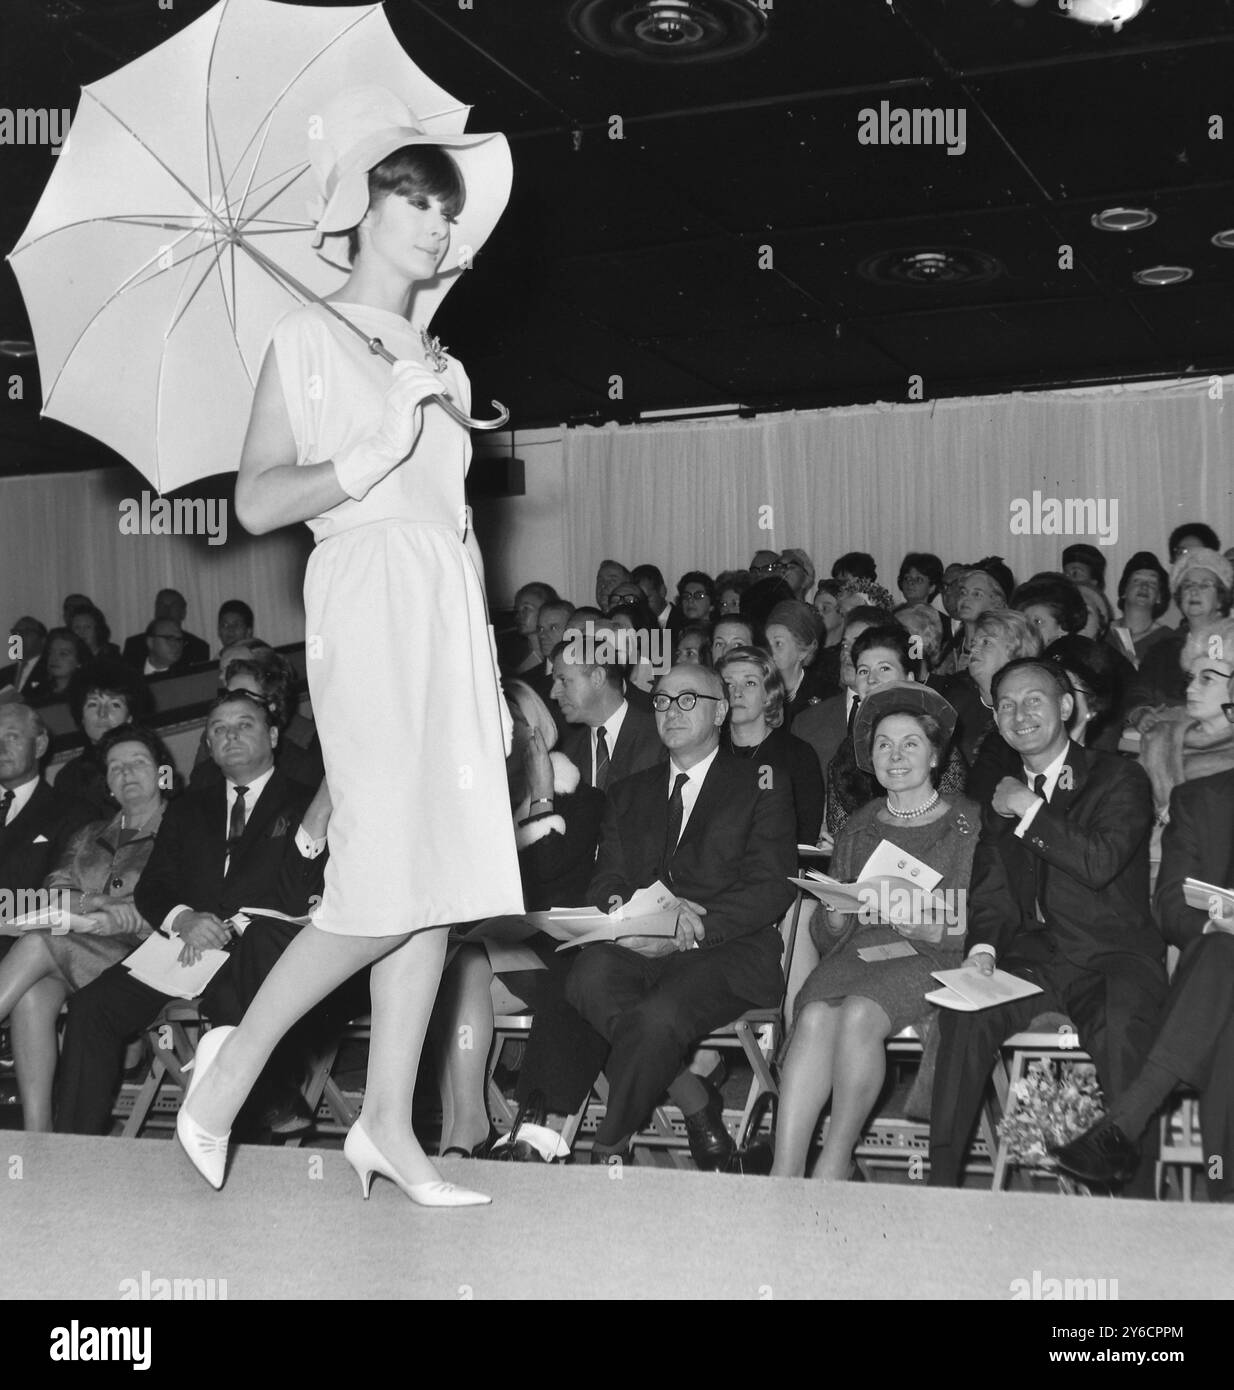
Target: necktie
[5, 802]
[235, 825]
[601, 759]
[672, 829]
[852, 715]
[1038, 864]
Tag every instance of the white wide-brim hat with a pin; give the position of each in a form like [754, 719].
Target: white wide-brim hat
[358, 129]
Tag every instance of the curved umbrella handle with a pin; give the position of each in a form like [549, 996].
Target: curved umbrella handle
[379, 349]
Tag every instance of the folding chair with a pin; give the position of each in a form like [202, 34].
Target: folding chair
[1182, 1146]
[154, 1101]
[334, 1109]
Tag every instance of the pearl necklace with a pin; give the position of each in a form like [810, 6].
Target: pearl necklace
[917, 810]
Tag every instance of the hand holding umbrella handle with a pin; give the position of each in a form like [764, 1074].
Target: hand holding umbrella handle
[379, 349]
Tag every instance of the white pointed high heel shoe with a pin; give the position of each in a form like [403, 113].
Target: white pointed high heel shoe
[206, 1151]
[366, 1158]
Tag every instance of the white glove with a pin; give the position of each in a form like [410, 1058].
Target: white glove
[368, 462]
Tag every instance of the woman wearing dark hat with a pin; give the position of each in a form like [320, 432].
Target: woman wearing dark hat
[1084, 564]
[104, 696]
[1143, 596]
[1053, 604]
[849, 1006]
[793, 631]
[1202, 585]
[359, 450]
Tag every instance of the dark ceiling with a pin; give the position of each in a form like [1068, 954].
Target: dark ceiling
[640, 257]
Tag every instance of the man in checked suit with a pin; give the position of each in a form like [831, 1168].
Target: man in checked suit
[255, 840]
[724, 841]
[1060, 896]
[608, 738]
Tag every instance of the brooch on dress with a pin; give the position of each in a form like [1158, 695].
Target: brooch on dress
[434, 351]
[962, 825]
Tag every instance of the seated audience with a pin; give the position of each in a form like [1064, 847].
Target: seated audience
[66, 655]
[1059, 897]
[95, 878]
[760, 598]
[608, 738]
[165, 649]
[1143, 596]
[219, 848]
[856, 564]
[792, 632]
[824, 726]
[729, 588]
[652, 643]
[28, 671]
[696, 597]
[1100, 613]
[73, 603]
[985, 588]
[608, 576]
[557, 826]
[1084, 564]
[998, 637]
[923, 622]
[1099, 677]
[523, 653]
[169, 605]
[797, 570]
[1193, 1044]
[1053, 604]
[849, 1007]
[268, 676]
[1181, 743]
[666, 614]
[103, 697]
[34, 826]
[1201, 584]
[755, 730]
[921, 577]
[693, 645]
[708, 829]
[862, 593]
[730, 633]
[91, 626]
[235, 623]
[765, 564]
[880, 655]
[827, 606]
[1191, 535]
[550, 627]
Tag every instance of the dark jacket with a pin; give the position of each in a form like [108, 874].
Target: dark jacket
[1198, 843]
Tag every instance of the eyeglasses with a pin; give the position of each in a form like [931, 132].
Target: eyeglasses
[622, 599]
[685, 702]
[694, 593]
[765, 569]
[1198, 586]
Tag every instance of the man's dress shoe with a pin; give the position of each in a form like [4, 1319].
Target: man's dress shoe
[710, 1143]
[1103, 1154]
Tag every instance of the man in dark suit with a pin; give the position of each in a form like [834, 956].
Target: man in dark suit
[608, 738]
[723, 843]
[826, 725]
[169, 604]
[1195, 1041]
[1059, 896]
[256, 840]
[27, 639]
[34, 826]
[667, 614]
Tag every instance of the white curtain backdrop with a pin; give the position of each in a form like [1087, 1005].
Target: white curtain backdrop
[941, 477]
[60, 534]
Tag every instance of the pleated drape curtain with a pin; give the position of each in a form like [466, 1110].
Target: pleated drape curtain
[940, 476]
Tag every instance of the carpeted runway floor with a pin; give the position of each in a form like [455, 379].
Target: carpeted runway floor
[81, 1216]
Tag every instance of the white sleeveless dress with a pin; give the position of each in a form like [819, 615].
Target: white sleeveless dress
[401, 663]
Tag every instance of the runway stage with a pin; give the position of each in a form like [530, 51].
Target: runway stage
[79, 1217]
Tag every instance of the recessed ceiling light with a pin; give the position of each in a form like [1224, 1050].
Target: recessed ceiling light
[1115, 13]
[1160, 275]
[940, 266]
[1225, 239]
[1123, 219]
[669, 31]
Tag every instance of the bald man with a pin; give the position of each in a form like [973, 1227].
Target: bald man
[722, 837]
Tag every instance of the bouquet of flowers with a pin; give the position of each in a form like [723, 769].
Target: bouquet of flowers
[1053, 1104]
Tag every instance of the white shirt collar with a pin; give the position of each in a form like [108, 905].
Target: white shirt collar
[255, 789]
[1052, 772]
[21, 798]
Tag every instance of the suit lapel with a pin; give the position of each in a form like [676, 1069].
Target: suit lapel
[710, 795]
[28, 820]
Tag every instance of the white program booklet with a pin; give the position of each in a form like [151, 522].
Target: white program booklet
[156, 962]
[968, 990]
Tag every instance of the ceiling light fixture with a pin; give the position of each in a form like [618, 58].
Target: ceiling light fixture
[938, 267]
[670, 31]
[1111, 13]
[1159, 276]
[1225, 239]
[1123, 219]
